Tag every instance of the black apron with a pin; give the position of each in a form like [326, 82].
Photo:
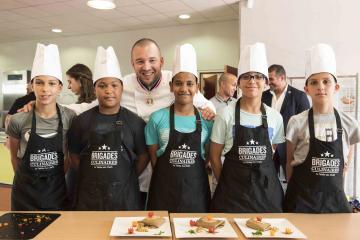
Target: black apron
[316, 185]
[107, 175]
[179, 182]
[39, 182]
[248, 182]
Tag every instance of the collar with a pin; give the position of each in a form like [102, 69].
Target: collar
[220, 99]
[284, 92]
[155, 84]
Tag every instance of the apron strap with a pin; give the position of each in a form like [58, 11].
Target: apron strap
[263, 116]
[60, 124]
[237, 115]
[172, 121]
[311, 124]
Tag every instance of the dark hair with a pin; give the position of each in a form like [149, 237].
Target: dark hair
[143, 42]
[83, 74]
[279, 70]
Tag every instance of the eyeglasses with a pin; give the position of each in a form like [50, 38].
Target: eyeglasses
[256, 77]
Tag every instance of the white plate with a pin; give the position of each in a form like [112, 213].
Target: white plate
[280, 223]
[121, 224]
[182, 226]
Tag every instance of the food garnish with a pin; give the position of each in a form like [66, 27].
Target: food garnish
[257, 233]
[130, 230]
[134, 224]
[193, 223]
[211, 230]
[191, 231]
[209, 217]
[258, 219]
[150, 214]
[273, 231]
[159, 233]
[288, 231]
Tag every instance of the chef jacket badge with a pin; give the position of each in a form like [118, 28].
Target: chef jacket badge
[104, 157]
[325, 164]
[183, 156]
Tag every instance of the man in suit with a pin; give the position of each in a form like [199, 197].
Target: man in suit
[288, 101]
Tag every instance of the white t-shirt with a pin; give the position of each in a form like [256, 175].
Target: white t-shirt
[325, 130]
[224, 126]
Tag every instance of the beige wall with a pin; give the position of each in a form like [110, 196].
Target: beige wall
[216, 44]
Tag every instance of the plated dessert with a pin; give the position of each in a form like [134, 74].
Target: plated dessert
[268, 228]
[203, 227]
[150, 226]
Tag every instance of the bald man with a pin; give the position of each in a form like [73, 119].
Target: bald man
[227, 88]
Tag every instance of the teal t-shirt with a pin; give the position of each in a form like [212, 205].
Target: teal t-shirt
[158, 128]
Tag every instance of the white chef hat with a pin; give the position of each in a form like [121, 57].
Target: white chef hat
[106, 64]
[253, 59]
[320, 58]
[185, 60]
[47, 62]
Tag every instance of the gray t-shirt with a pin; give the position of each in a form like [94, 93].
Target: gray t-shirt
[325, 130]
[20, 127]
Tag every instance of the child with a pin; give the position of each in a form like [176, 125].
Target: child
[176, 138]
[37, 140]
[107, 144]
[245, 132]
[318, 142]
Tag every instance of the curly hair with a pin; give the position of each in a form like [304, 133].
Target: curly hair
[83, 74]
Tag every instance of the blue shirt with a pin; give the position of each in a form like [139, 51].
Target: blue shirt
[158, 128]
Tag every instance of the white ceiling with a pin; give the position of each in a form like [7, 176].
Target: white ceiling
[33, 19]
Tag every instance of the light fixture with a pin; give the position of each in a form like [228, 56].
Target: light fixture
[101, 4]
[184, 16]
[56, 30]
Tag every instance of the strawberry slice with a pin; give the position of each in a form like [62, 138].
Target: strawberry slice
[193, 223]
[259, 219]
[130, 230]
[211, 230]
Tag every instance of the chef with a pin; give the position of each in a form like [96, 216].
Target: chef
[319, 142]
[38, 140]
[176, 137]
[107, 144]
[245, 132]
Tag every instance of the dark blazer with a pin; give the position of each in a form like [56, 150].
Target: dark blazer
[295, 102]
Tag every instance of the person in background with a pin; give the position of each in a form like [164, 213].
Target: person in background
[38, 144]
[107, 144]
[176, 137]
[246, 132]
[288, 101]
[80, 82]
[319, 142]
[227, 88]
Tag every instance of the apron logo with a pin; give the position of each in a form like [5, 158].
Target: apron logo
[182, 157]
[104, 157]
[325, 165]
[252, 152]
[43, 159]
